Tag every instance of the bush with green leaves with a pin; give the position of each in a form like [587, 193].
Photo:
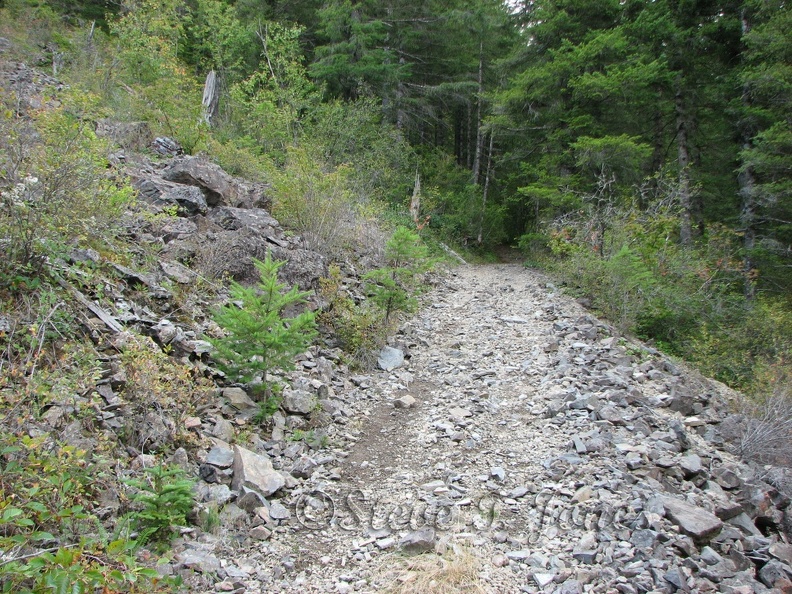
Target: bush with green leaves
[50, 538]
[54, 187]
[393, 287]
[164, 497]
[316, 200]
[358, 329]
[689, 301]
[259, 337]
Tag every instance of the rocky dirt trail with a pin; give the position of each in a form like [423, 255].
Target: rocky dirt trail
[525, 446]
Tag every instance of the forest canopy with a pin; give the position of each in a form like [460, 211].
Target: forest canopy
[640, 149]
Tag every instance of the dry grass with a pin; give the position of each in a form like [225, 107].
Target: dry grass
[455, 572]
[767, 437]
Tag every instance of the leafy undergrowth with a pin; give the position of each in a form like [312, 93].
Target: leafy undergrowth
[75, 516]
[51, 536]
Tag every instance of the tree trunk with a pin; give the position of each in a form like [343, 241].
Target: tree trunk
[211, 98]
[479, 132]
[484, 193]
[747, 182]
[683, 161]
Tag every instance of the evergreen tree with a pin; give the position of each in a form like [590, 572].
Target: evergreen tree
[259, 337]
[391, 288]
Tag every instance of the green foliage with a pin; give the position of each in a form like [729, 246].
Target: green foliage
[269, 406]
[689, 302]
[359, 330]
[353, 134]
[268, 105]
[164, 499]
[259, 337]
[54, 191]
[749, 348]
[317, 201]
[51, 540]
[154, 84]
[153, 376]
[392, 288]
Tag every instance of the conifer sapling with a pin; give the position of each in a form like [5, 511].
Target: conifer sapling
[258, 337]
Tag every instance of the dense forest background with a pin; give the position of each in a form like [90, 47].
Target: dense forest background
[642, 150]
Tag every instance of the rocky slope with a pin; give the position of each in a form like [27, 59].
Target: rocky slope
[519, 437]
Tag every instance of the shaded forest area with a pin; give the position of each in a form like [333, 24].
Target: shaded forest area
[641, 150]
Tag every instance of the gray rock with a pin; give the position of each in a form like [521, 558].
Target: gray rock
[178, 273]
[238, 399]
[250, 500]
[458, 413]
[419, 541]
[278, 511]
[585, 550]
[498, 473]
[198, 560]
[514, 319]
[710, 556]
[390, 358]
[690, 465]
[224, 430]
[571, 586]
[694, 521]
[189, 200]
[517, 493]
[165, 332]
[233, 516]
[220, 456]
[773, 572]
[304, 467]
[543, 579]
[405, 401]
[782, 552]
[255, 472]
[726, 478]
[299, 403]
[220, 188]
[744, 523]
[180, 228]
[643, 539]
[218, 494]
[676, 578]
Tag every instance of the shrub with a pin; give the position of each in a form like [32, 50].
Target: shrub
[360, 330]
[50, 539]
[316, 201]
[56, 189]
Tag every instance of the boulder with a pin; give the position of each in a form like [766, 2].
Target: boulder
[694, 521]
[255, 472]
[419, 541]
[219, 188]
[299, 403]
[390, 358]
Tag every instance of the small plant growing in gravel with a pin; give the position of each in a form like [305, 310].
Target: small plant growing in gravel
[258, 335]
[392, 288]
[165, 497]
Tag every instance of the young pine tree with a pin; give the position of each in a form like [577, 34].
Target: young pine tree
[258, 336]
[391, 288]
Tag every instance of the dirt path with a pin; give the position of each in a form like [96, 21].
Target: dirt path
[536, 446]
